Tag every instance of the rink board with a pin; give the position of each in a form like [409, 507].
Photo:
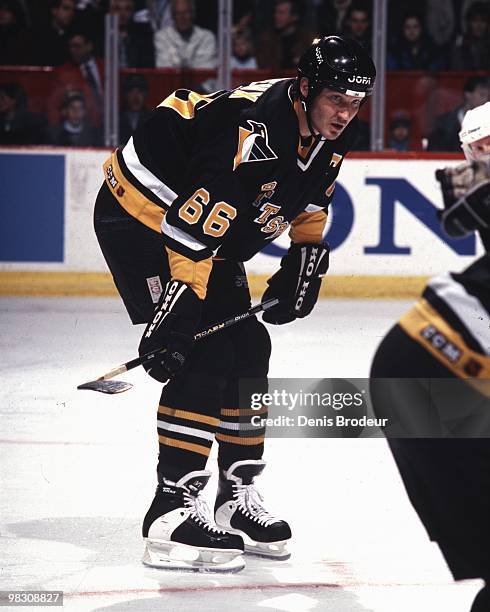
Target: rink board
[383, 230]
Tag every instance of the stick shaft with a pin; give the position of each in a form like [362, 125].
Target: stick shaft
[212, 329]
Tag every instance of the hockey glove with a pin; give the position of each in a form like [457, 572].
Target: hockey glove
[471, 212]
[297, 282]
[457, 181]
[465, 191]
[174, 324]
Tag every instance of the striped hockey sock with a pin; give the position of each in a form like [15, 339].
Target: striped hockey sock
[238, 438]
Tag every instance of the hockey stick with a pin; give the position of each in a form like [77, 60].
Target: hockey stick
[104, 385]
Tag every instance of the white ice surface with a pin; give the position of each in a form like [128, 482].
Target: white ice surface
[77, 473]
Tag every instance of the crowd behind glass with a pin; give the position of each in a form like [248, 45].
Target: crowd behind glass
[427, 36]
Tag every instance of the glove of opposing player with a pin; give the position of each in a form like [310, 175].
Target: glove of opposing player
[470, 213]
[174, 325]
[457, 181]
[466, 195]
[297, 282]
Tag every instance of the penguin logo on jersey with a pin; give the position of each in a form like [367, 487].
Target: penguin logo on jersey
[253, 144]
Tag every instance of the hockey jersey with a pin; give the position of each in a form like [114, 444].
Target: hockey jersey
[452, 321]
[225, 174]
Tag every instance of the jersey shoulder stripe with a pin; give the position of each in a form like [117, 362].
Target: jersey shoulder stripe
[186, 103]
[466, 307]
[136, 172]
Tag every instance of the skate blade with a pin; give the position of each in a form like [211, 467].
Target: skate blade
[174, 556]
[268, 550]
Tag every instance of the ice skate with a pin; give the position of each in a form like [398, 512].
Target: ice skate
[179, 533]
[239, 510]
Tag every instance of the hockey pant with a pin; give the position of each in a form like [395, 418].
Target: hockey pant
[446, 479]
[201, 403]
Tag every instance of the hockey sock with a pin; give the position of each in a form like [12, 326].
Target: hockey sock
[188, 417]
[241, 433]
[238, 439]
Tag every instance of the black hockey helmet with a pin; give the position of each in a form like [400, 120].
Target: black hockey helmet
[338, 63]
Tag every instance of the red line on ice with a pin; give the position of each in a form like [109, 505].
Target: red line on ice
[247, 587]
[204, 588]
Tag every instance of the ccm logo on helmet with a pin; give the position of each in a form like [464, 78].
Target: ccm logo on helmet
[360, 79]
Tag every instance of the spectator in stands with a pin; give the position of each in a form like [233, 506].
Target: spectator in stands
[243, 51]
[158, 13]
[15, 40]
[331, 16]
[281, 46]
[244, 17]
[244, 12]
[91, 18]
[74, 129]
[357, 24]
[17, 125]
[445, 137]
[399, 132]
[440, 20]
[135, 94]
[413, 49]
[464, 8]
[82, 73]
[472, 49]
[184, 44]
[135, 39]
[439, 17]
[51, 41]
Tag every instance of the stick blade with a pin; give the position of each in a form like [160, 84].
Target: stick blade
[106, 386]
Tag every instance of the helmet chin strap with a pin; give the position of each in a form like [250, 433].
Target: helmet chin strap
[306, 107]
[316, 135]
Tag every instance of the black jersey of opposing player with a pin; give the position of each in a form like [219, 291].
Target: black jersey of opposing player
[229, 168]
[452, 320]
[463, 300]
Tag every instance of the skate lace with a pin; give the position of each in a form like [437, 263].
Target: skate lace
[250, 503]
[200, 512]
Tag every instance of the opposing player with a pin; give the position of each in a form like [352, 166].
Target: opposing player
[446, 336]
[204, 184]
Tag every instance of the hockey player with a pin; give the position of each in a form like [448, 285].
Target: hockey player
[446, 335]
[206, 182]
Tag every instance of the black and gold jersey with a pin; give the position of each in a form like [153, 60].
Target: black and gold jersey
[226, 173]
[452, 320]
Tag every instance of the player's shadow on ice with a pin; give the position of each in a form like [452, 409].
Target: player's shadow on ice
[116, 542]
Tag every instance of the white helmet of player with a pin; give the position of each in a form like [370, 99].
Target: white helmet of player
[475, 133]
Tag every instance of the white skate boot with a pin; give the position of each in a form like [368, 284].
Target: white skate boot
[179, 533]
[239, 510]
